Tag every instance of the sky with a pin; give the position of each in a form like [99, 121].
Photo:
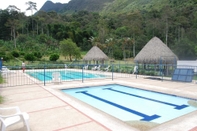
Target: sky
[21, 4]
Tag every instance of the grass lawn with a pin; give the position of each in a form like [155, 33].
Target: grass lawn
[62, 60]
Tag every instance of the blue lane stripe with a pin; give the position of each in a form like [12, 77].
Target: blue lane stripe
[178, 107]
[72, 75]
[44, 75]
[145, 117]
[66, 76]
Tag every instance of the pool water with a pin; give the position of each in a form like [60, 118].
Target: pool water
[65, 75]
[132, 104]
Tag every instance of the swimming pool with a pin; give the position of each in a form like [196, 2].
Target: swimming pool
[65, 75]
[131, 104]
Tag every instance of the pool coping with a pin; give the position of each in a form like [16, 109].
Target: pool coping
[101, 117]
[96, 114]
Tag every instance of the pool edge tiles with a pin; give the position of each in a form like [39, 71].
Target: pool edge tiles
[154, 116]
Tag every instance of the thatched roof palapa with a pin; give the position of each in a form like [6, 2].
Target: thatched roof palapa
[95, 54]
[155, 51]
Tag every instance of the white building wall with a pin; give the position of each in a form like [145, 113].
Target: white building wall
[187, 64]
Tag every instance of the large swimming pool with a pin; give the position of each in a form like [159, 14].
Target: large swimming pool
[65, 75]
[131, 104]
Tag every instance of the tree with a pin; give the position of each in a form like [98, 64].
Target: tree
[126, 45]
[32, 7]
[4, 30]
[110, 46]
[102, 31]
[69, 48]
[13, 21]
[185, 49]
[167, 14]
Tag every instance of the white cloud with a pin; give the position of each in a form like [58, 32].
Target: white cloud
[21, 4]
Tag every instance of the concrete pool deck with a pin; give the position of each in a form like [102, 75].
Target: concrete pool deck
[51, 110]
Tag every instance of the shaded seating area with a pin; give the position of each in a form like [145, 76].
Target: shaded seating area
[95, 55]
[156, 57]
[13, 118]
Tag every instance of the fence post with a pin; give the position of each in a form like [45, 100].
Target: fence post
[119, 67]
[44, 74]
[112, 72]
[161, 69]
[1, 63]
[82, 74]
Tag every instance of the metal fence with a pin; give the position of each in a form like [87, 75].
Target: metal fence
[46, 73]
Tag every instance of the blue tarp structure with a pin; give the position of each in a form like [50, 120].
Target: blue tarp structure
[183, 75]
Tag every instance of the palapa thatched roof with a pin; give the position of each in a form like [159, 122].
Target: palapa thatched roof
[154, 52]
[95, 54]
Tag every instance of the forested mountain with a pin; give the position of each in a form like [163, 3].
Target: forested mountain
[124, 6]
[76, 5]
[88, 5]
[120, 28]
[114, 6]
[50, 6]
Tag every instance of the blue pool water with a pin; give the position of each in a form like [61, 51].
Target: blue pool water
[65, 75]
[132, 104]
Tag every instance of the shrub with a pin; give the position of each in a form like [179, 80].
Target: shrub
[118, 54]
[42, 38]
[141, 72]
[2, 53]
[22, 53]
[15, 53]
[54, 57]
[29, 57]
[38, 54]
[151, 73]
[22, 38]
[7, 57]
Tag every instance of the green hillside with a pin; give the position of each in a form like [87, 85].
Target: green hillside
[122, 6]
[121, 28]
[115, 6]
[88, 5]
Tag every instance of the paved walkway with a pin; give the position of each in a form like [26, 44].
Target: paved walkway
[50, 110]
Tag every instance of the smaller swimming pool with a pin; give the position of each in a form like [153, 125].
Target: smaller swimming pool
[131, 104]
[65, 75]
